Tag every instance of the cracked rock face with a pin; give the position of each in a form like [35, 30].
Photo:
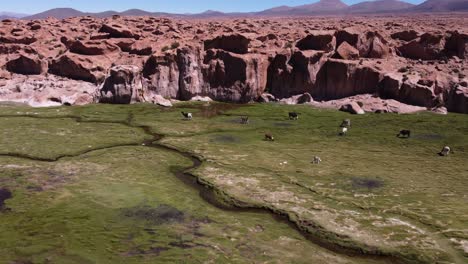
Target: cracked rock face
[416, 61]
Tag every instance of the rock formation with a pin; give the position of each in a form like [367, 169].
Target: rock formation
[313, 60]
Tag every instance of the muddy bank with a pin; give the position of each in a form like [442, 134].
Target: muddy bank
[5, 194]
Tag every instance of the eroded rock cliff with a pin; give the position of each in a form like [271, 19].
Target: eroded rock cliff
[148, 59]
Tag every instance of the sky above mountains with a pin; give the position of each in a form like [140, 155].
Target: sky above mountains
[174, 6]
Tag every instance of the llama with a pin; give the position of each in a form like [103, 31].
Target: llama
[404, 133]
[317, 160]
[245, 120]
[269, 137]
[187, 116]
[344, 131]
[445, 151]
[293, 116]
[346, 123]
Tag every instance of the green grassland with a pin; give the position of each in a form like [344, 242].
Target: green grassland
[100, 196]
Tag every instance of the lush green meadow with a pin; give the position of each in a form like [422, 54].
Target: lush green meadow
[85, 189]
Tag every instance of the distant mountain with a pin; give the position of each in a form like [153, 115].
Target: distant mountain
[379, 6]
[320, 7]
[59, 13]
[62, 13]
[208, 14]
[6, 15]
[441, 6]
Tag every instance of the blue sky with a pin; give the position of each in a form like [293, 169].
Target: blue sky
[173, 6]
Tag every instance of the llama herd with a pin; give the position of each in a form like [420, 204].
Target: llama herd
[343, 130]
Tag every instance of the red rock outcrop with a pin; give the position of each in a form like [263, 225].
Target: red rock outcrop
[162, 74]
[341, 78]
[346, 52]
[458, 100]
[239, 60]
[427, 47]
[352, 108]
[27, 65]
[85, 68]
[118, 31]
[406, 35]
[288, 76]
[122, 86]
[350, 35]
[324, 41]
[457, 44]
[236, 43]
[234, 77]
[373, 45]
[91, 48]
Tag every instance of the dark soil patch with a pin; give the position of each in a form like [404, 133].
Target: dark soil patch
[224, 139]
[238, 120]
[34, 188]
[163, 214]
[283, 124]
[153, 251]
[214, 109]
[5, 194]
[366, 183]
[182, 245]
[429, 137]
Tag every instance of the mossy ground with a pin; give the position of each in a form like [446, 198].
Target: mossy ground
[122, 204]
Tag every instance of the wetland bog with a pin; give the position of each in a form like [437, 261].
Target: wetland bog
[139, 184]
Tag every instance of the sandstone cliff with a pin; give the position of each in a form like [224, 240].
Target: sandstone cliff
[146, 59]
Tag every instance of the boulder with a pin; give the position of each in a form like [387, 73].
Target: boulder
[201, 99]
[350, 35]
[91, 48]
[389, 87]
[268, 37]
[339, 78]
[417, 94]
[266, 98]
[26, 40]
[190, 64]
[304, 98]
[50, 90]
[427, 47]
[372, 104]
[440, 110]
[79, 67]
[159, 100]
[458, 100]
[162, 73]
[322, 40]
[124, 44]
[352, 108]
[294, 74]
[456, 44]
[79, 99]
[27, 65]
[373, 45]
[298, 99]
[235, 43]
[234, 77]
[406, 35]
[122, 85]
[118, 31]
[142, 48]
[346, 52]
[9, 49]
